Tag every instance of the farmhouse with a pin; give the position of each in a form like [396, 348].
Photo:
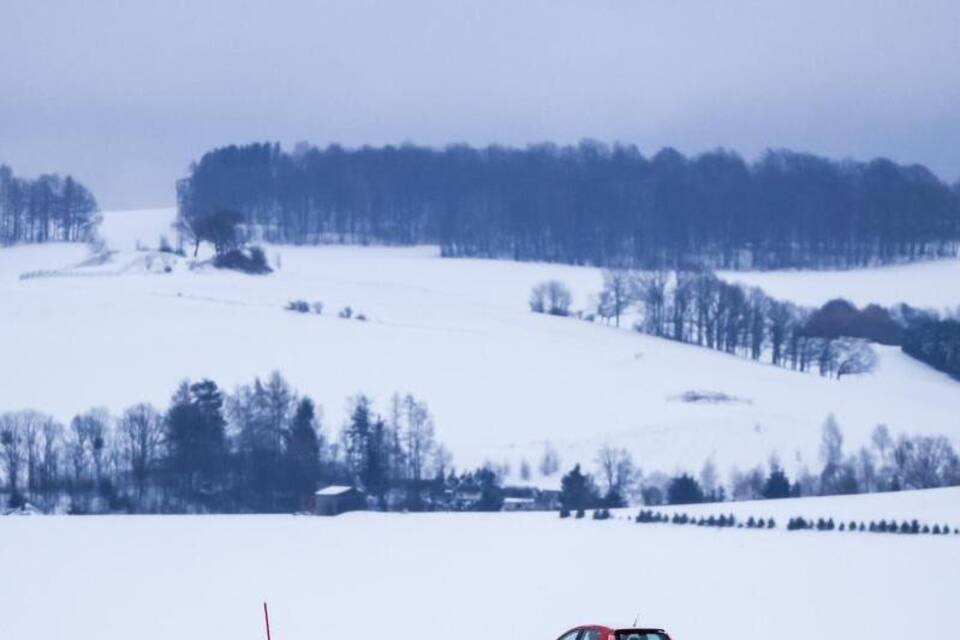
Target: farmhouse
[336, 499]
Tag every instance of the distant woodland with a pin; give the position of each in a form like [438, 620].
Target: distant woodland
[586, 204]
[50, 208]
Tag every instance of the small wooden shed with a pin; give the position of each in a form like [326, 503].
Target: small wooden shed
[337, 499]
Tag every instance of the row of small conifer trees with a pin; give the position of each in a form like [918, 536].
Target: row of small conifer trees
[913, 527]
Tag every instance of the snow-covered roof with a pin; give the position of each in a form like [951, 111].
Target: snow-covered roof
[25, 510]
[333, 490]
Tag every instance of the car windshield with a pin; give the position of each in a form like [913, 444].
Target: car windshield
[640, 635]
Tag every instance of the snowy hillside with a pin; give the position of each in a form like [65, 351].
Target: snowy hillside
[466, 576]
[457, 333]
[934, 285]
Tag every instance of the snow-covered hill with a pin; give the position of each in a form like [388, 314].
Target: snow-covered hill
[470, 576]
[934, 285]
[500, 380]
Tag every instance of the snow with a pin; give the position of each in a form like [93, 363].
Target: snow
[129, 230]
[934, 284]
[499, 380]
[467, 576]
[930, 506]
[333, 490]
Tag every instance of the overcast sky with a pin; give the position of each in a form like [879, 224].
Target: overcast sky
[125, 94]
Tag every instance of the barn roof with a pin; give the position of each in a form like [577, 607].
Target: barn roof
[334, 490]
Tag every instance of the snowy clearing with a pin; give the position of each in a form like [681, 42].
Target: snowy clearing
[466, 576]
[934, 285]
[457, 333]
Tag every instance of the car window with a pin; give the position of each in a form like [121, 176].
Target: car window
[590, 634]
[640, 635]
[571, 635]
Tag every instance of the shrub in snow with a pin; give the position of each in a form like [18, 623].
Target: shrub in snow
[252, 261]
[300, 306]
[580, 513]
[551, 297]
[346, 312]
[317, 307]
[361, 317]
[564, 513]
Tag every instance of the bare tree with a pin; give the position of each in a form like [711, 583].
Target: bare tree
[525, 471]
[12, 447]
[91, 433]
[928, 462]
[780, 315]
[683, 294]
[619, 292]
[852, 356]
[652, 295]
[618, 471]
[550, 461]
[141, 435]
[709, 478]
[51, 442]
[418, 436]
[551, 296]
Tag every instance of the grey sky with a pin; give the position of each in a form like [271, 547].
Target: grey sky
[125, 94]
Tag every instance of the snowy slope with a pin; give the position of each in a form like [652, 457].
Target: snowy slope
[934, 284]
[467, 576]
[457, 333]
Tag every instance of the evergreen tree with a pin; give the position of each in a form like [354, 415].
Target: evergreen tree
[777, 484]
[577, 491]
[303, 451]
[196, 435]
[684, 489]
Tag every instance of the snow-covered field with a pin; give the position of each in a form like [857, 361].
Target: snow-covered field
[933, 285]
[470, 576]
[457, 333]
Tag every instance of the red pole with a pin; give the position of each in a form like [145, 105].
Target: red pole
[266, 619]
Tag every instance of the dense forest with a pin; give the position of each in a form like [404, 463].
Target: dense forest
[934, 340]
[585, 204]
[50, 208]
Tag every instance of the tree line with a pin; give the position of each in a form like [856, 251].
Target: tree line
[886, 464]
[49, 208]
[585, 204]
[934, 339]
[694, 306]
[697, 307]
[260, 448]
